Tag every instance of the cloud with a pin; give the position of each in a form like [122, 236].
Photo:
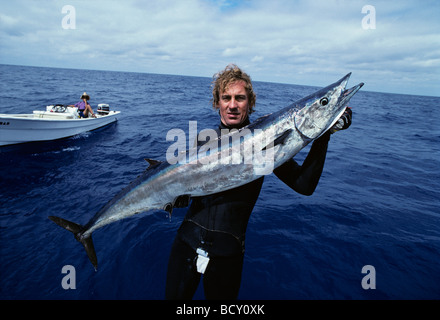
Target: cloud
[303, 42]
[257, 59]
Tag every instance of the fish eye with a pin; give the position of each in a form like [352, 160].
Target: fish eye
[324, 101]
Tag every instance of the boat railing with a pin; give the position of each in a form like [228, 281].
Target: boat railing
[17, 115]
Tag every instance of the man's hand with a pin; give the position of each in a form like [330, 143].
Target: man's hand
[344, 121]
[182, 201]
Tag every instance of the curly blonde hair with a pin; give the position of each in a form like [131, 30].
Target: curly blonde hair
[223, 79]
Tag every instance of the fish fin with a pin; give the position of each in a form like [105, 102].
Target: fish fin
[77, 229]
[152, 162]
[179, 202]
[168, 208]
[68, 225]
[280, 139]
[90, 250]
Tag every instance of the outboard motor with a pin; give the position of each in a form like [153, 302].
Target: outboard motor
[103, 109]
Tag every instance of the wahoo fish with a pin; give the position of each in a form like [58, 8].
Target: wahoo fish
[224, 162]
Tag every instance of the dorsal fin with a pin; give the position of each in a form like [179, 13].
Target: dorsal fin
[152, 162]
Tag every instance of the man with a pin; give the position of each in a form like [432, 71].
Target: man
[211, 239]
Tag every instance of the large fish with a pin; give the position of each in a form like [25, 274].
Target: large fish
[235, 158]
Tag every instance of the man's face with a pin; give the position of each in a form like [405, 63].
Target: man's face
[234, 104]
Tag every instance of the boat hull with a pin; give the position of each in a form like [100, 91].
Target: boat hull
[15, 129]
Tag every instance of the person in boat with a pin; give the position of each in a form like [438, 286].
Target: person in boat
[211, 238]
[84, 108]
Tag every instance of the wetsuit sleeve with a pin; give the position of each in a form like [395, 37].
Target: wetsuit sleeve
[304, 178]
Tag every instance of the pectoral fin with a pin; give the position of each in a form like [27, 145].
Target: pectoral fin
[279, 140]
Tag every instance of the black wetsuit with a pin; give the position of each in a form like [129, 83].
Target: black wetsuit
[217, 224]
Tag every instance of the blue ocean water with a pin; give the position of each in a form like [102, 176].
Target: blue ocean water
[377, 203]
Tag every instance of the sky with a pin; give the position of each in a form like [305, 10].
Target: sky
[392, 46]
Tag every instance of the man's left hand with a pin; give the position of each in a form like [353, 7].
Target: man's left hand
[344, 121]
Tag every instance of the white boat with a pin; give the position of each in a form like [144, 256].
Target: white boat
[55, 123]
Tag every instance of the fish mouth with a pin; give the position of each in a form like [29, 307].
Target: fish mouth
[348, 93]
[343, 82]
[343, 100]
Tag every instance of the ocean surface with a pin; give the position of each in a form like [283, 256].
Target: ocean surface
[377, 203]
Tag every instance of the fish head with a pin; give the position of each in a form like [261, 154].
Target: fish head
[319, 111]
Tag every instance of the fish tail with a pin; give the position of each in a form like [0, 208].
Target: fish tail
[77, 231]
